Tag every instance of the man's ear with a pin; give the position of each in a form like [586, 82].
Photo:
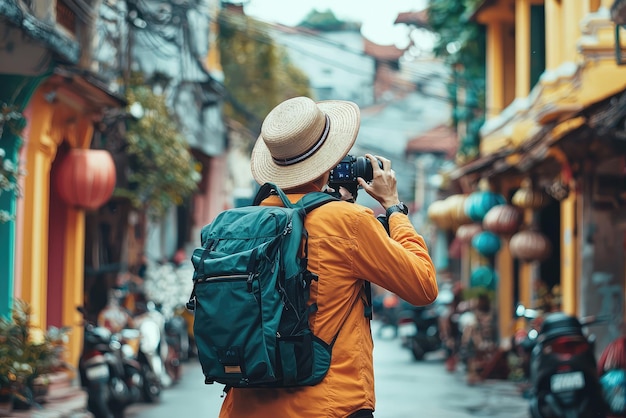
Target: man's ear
[322, 181]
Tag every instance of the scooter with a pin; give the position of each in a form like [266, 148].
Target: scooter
[151, 351]
[563, 373]
[418, 327]
[111, 383]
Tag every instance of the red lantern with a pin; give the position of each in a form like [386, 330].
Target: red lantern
[530, 246]
[502, 219]
[86, 178]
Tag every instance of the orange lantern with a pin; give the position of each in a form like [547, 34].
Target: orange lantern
[455, 205]
[86, 178]
[503, 219]
[438, 213]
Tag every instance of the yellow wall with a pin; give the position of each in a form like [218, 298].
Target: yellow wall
[554, 45]
[40, 152]
[51, 124]
[522, 48]
[495, 69]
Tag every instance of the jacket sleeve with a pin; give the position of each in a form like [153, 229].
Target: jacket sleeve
[399, 262]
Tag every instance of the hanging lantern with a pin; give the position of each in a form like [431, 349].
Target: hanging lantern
[484, 276]
[438, 214]
[503, 219]
[486, 243]
[465, 233]
[455, 205]
[86, 178]
[530, 246]
[478, 204]
[526, 197]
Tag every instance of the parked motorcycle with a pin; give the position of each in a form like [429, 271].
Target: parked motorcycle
[418, 328]
[563, 374]
[111, 382]
[177, 340]
[525, 338]
[152, 350]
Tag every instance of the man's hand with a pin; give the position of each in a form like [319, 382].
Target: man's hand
[383, 186]
[343, 194]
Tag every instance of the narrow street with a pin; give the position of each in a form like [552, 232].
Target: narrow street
[404, 389]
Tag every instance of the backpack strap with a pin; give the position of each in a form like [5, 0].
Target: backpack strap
[314, 200]
[368, 296]
[266, 190]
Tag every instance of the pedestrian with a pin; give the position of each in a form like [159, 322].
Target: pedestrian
[301, 141]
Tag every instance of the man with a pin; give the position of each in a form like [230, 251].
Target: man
[300, 142]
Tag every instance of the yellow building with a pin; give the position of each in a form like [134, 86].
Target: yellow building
[555, 116]
[44, 80]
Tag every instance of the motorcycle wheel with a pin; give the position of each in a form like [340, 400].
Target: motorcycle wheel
[183, 355]
[417, 350]
[173, 366]
[151, 385]
[97, 401]
[534, 408]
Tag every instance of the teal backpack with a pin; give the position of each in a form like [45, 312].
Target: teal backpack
[250, 297]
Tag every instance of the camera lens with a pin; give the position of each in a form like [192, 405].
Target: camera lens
[363, 168]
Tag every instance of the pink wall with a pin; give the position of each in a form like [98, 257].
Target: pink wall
[57, 229]
[213, 198]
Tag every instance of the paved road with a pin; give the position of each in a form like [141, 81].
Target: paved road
[404, 389]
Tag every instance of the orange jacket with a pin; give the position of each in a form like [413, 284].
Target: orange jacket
[346, 244]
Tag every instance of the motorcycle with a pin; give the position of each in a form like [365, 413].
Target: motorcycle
[150, 352]
[563, 374]
[111, 382]
[524, 338]
[177, 340]
[418, 328]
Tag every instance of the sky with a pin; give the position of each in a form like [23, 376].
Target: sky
[376, 16]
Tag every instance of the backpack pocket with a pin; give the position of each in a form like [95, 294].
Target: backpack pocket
[243, 315]
[305, 359]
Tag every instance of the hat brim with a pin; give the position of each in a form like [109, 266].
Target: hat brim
[345, 119]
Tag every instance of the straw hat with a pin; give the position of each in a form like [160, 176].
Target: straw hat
[301, 140]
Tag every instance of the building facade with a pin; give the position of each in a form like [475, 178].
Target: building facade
[555, 94]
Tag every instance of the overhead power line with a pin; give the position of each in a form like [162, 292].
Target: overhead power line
[233, 21]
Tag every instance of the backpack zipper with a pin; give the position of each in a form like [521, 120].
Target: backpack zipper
[225, 278]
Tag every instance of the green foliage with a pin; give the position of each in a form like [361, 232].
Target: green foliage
[26, 352]
[461, 43]
[257, 73]
[162, 170]
[326, 21]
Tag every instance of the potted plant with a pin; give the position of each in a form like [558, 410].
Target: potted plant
[6, 386]
[26, 354]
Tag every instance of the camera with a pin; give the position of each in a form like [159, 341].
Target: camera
[350, 168]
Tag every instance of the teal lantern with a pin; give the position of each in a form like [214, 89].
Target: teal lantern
[478, 204]
[486, 243]
[485, 277]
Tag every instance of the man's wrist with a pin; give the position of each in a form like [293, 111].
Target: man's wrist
[399, 207]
